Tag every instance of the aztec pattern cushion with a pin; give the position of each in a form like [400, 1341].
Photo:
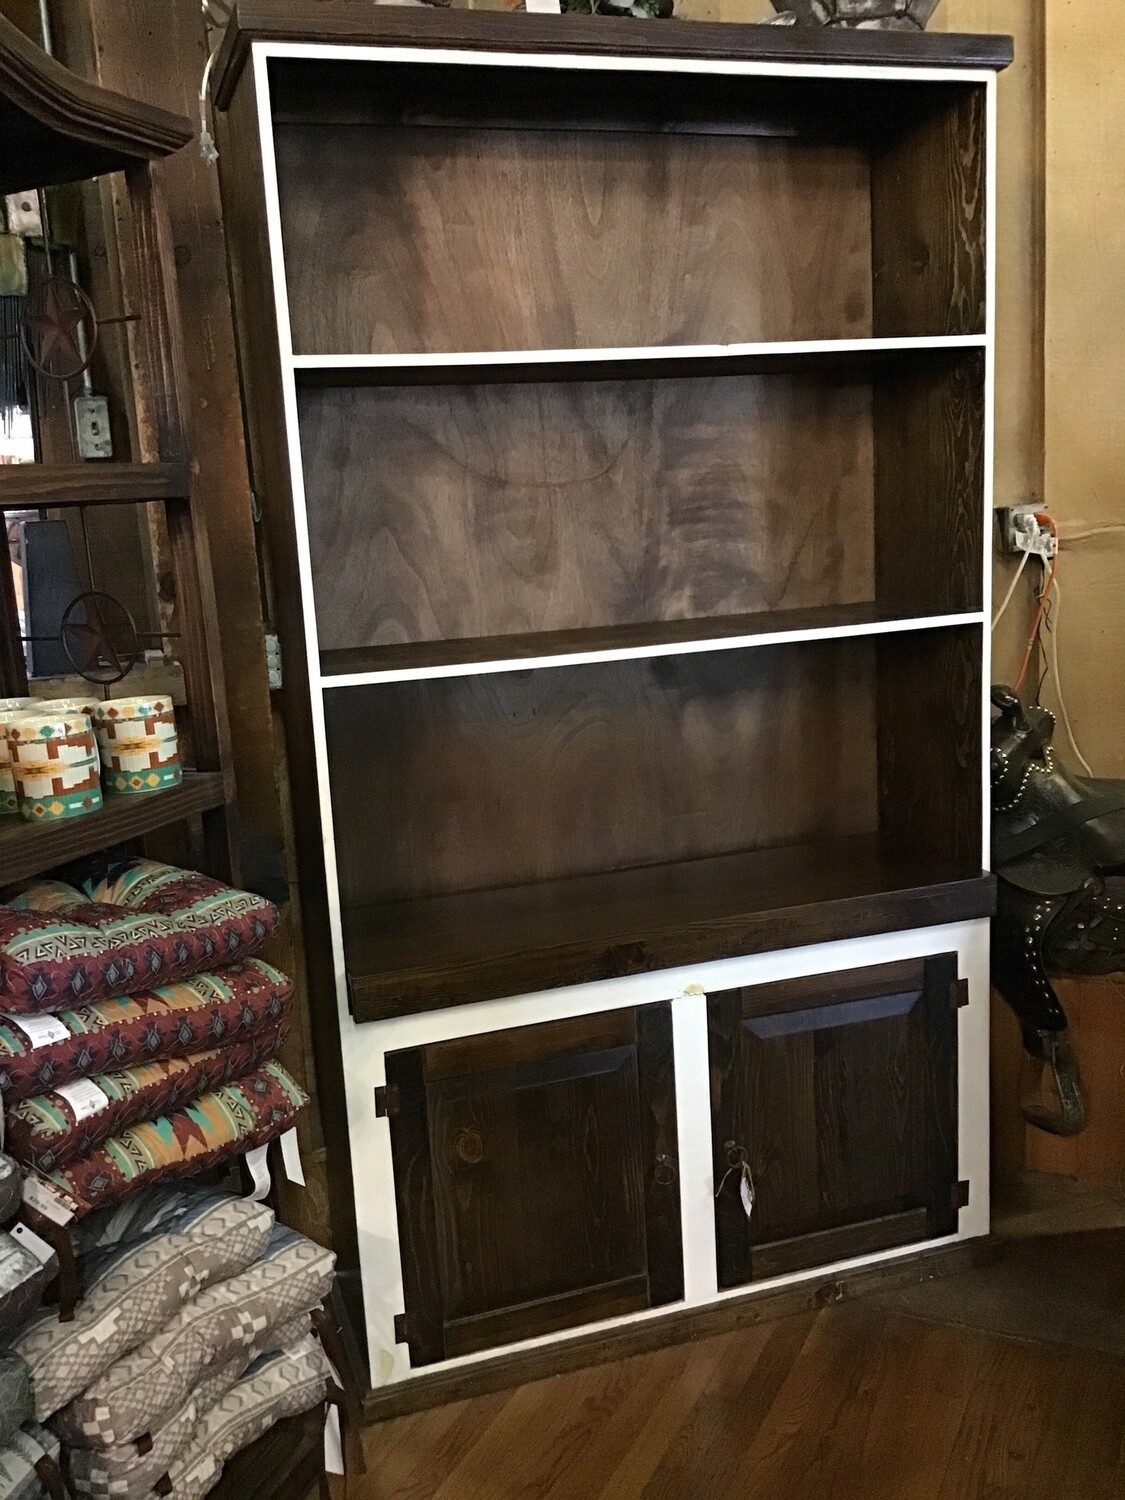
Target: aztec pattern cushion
[76, 1118]
[17, 1405]
[143, 924]
[132, 1289]
[138, 1393]
[130, 1470]
[224, 1123]
[29, 1465]
[37, 1053]
[276, 1386]
[23, 1280]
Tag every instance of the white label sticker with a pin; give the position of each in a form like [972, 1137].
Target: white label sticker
[31, 1241]
[291, 1157]
[333, 1442]
[41, 1031]
[84, 1097]
[45, 1201]
[259, 1171]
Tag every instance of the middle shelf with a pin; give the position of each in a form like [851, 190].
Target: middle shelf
[509, 517]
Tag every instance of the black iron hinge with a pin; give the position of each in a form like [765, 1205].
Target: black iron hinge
[401, 1333]
[959, 994]
[386, 1101]
[960, 1194]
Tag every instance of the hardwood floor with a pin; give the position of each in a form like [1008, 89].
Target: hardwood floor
[854, 1401]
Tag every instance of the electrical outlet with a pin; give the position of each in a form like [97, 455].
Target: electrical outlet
[91, 423]
[1022, 531]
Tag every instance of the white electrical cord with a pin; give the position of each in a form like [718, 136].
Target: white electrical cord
[1053, 659]
[1085, 532]
[1008, 596]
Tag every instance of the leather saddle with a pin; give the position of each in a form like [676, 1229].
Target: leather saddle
[1058, 848]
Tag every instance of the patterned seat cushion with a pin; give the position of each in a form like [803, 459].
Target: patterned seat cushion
[131, 1289]
[29, 1465]
[74, 1120]
[142, 924]
[138, 1393]
[233, 1005]
[17, 1404]
[130, 1470]
[217, 1126]
[276, 1386]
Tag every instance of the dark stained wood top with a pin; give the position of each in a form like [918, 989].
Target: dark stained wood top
[361, 23]
[404, 957]
[57, 127]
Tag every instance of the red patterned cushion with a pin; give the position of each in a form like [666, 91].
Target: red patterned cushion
[142, 924]
[219, 1125]
[235, 1005]
[52, 1129]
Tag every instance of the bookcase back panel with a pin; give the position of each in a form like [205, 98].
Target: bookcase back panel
[473, 782]
[461, 512]
[403, 239]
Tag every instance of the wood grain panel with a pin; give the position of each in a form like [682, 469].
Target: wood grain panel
[930, 743]
[515, 239]
[928, 218]
[448, 512]
[471, 782]
[929, 484]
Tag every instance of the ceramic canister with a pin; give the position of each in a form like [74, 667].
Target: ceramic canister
[70, 706]
[54, 765]
[9, 708]
[139, 745]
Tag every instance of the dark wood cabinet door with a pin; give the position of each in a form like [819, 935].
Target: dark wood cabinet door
[537, 1179]
[840, 1094]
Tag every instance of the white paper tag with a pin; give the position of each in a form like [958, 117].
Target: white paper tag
[333, 1442]
[259, 1170]
[291, 1157]
[45, 1201]
[31, 1241]
[41, 1031]
[544, 7]
[84, 1096]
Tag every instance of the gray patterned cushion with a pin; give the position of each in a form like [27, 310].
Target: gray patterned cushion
[11, 1188]
[26, 1449]
[275, 1386]
[132, 1289]
[136, 1394]
[23, 1280]
[17, 1404]
[126, 1473]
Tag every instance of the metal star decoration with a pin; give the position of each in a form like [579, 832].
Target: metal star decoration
[60, 328]
[99, 637]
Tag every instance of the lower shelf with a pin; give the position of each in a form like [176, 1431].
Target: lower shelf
[409, 956]
[27, 849]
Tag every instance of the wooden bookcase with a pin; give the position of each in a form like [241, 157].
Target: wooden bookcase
[620, 402]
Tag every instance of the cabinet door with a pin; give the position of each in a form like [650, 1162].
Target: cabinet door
[536, 1176]
[840, 1092]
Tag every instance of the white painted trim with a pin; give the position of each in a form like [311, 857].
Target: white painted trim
[638, 653]
[639, 354]
[865, 72]
[991, 138]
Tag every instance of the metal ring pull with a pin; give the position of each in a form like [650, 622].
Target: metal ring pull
[664, 1174]
[738, 1161]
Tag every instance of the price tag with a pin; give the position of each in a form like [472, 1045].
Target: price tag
[41, 1031]
[31, 1241]
[259, 1171]
[45, 1201]
[291, 1157]
[84, 1097]
[333, 1442]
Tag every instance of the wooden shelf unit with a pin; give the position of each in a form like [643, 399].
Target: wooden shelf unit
[626, 469]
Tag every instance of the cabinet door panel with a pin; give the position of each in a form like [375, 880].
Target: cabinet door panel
[841, 1092]
[537, 1179]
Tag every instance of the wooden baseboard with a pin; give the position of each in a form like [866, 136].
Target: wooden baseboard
[679, 1326]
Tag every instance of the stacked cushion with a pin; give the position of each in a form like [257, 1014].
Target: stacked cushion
[278, 1385]
[29, 1465]
[224, 1123]
[239, 1004]
[132, 1289]
[132, 1396]
[141, 924]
